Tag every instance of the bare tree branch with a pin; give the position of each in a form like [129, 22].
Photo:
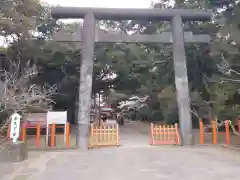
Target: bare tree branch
[19, 95]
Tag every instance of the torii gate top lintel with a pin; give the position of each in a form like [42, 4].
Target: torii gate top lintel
[131, 14]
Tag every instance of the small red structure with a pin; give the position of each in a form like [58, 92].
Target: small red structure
[108, 112]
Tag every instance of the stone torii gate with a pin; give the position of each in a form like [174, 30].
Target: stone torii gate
[89, 37]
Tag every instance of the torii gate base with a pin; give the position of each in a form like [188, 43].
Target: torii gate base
[176, 16]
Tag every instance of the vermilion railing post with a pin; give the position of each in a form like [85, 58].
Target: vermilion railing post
[38, 135]
[68, 135]
[53, 126]
[214, 132]
[23, 132]
[227, 132]
[201, 131]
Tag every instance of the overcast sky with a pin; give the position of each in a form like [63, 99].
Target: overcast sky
[103, 3]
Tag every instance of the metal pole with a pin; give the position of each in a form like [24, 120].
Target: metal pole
[181, 81]
[85, 89]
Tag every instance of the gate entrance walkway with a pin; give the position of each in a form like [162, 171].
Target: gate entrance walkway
[134, 160]
[134, 134]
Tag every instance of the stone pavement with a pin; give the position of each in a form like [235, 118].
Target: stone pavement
[133, 163]
[136, 161]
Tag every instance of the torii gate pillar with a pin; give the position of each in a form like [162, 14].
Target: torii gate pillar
[85, 85]
[181, 81]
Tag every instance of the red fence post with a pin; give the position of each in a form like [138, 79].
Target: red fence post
[23, 132]
[227, 132]
[68, 135]
[214, 132]
[38, 135]
[53, 126]
[201, 133]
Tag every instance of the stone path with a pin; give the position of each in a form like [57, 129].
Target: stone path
[134, 160]
[134, 163]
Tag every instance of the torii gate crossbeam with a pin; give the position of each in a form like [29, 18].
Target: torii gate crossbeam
[176, 16]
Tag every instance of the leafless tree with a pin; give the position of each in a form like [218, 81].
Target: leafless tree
[19, 95]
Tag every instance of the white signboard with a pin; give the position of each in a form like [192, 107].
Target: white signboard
[56, 117]
[15, 127]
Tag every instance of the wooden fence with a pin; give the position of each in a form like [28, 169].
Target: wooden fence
[229, 134]
[104, 135]
[164, 134]
[40, 141]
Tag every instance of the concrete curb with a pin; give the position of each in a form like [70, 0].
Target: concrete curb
[230, 147]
